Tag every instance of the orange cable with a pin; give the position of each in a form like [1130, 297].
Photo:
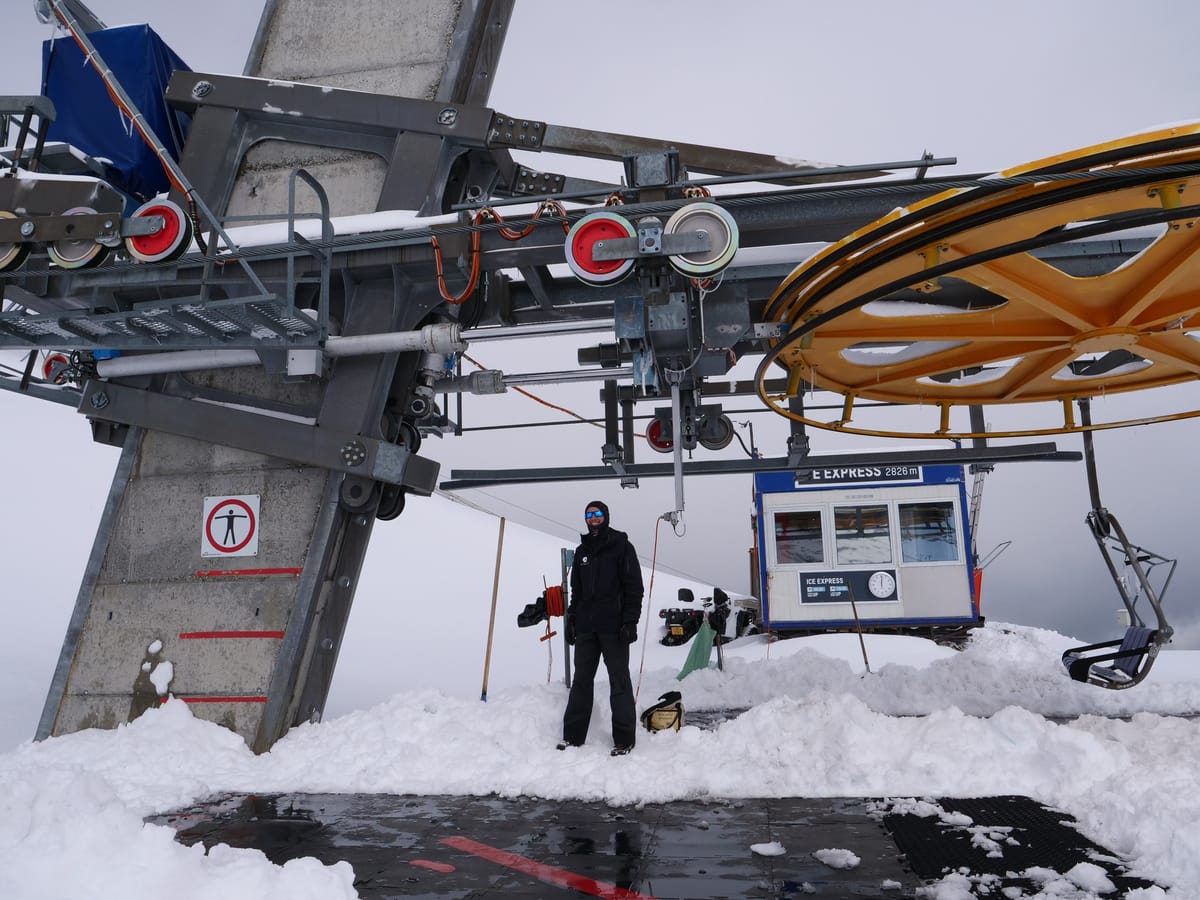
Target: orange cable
[647, 607]
[554, 600]
[473, 278]
[509, 233]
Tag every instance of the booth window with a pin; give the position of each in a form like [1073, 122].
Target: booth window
[863, 535]
[928, 532]
[798, 537]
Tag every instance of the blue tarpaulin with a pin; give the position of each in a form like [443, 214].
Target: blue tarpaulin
[88, 118]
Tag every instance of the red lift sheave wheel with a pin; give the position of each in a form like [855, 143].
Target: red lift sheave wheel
[53, 368]
[170, 242]
[659, 436]
[581, 242]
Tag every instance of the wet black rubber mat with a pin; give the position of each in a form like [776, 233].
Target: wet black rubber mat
[1005, 837]
[477, 847]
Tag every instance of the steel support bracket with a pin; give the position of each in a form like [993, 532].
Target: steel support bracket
[671, 244]
[312, 445]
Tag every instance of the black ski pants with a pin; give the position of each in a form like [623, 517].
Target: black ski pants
[590, 647]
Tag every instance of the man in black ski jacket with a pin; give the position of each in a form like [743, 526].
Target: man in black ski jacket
[601, 621]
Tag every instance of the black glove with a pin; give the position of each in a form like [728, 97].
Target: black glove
[629, 632]
[569, 628]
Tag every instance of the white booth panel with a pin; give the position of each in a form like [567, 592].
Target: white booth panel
[783, 589]
[935, 591]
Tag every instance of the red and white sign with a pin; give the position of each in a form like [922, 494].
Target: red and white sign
[230, 526]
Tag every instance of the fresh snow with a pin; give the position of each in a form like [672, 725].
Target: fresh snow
[911, 722]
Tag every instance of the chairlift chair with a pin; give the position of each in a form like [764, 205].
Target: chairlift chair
[1121, 663]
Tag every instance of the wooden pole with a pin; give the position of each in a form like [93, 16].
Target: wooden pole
[857, 624]
[487, 660]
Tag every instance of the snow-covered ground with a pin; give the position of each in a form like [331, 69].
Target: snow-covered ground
[922, 721]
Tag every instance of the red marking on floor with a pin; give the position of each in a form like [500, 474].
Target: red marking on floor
[195, 635]
[543, 872]
[233, 573]
[218, 699]
[430, 864]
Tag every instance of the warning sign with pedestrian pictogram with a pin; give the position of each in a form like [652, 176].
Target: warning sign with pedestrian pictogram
[230, 526]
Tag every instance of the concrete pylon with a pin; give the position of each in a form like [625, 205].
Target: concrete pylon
[172, 601]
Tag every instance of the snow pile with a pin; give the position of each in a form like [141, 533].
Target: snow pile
[814, 725]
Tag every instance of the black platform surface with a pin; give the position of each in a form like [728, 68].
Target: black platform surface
[1008, 836]
[477, 847]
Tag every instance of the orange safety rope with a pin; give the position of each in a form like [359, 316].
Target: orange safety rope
[554, 607]
[554, 600]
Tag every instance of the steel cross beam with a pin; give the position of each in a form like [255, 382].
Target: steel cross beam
[257, 109]
[475, 478]
[311, 444]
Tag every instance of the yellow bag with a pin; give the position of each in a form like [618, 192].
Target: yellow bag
[666, 713]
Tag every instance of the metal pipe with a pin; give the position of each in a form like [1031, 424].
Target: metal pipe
[492, 381]
[569, 375]
[677, 434]
[178, 361]
[444, 338]
[501, 333]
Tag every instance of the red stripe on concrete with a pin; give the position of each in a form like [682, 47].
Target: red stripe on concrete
[217, 699]
[234, 573]
[543, 872]
[203, 635]
[429, 864]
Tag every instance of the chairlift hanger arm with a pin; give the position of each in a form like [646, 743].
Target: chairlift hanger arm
[1134, 654]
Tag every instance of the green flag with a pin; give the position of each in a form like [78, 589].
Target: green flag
[700, 653]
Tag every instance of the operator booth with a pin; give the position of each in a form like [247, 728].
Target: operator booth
[874, 546]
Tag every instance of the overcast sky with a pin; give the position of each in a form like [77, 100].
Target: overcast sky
[995, 84]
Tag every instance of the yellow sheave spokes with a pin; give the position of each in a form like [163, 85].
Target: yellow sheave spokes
[1045, 335]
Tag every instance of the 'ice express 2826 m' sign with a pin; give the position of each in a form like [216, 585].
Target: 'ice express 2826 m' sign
[858, 474]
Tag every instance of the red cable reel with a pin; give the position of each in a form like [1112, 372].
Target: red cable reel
[555, 606]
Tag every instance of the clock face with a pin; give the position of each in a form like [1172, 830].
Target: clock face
[881, 585]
